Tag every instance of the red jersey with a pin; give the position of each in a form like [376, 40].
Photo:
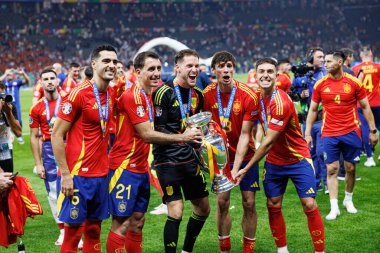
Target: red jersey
[339, 99]
[283, 82]
[69, 84]
[371, 81]
[38, 117]
[129, 150]
[86, 146]
[290, 147]
[244, 108]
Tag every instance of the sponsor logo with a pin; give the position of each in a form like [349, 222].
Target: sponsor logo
[158, 111]
[316, 232]
[133, 165]
[277, 122]
[84, 169]
[140, 111]
[318, 242]
[255, 184]
[172, 245]
[327, 89]
[346, 88]
[67, 108]
[310, 191]
[122, 206]
[254, 113]
[30, 120]
[74, 213]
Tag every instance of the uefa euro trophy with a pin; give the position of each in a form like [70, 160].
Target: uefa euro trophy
[213, 152]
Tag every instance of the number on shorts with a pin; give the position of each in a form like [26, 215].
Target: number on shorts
[121, 188]
[75, 199]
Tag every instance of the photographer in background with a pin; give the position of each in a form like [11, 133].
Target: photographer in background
[306, 75]
[8, 121]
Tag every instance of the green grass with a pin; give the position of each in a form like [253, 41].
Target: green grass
[349, 233]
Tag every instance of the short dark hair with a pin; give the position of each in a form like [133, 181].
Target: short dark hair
[222, 56]
[105, 47]
[347, 51]
[2, 85]
[139, 61]
[185, 52]
[48, 70]
[337, 54]
[88, 72]
[74, 65]
[129, 64]
[265, 60]
[310, 52]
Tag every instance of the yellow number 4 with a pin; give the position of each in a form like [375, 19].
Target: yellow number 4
[337, 99]
[367, 83]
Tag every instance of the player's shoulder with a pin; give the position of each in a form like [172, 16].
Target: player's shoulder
[163, 91]
[79, 91]
[37, 105]
[211, 87]
[321, 81]
[281, 102]
[245, 89]
[352, 79]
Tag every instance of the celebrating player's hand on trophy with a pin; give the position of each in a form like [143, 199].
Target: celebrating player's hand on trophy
[192, 134]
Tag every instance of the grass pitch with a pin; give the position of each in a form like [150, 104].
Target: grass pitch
[349, 233]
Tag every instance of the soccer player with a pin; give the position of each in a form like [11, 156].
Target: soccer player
[369, 73]
[42, 116]
[283, 80]
[339, 93]
[129, 186]
[234, 107]
[13, 85]
[251, 80]
[84, 117]
[287, 158]
[71, 80]
[176, 164]
[60, 74]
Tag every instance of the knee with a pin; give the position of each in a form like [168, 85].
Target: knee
[309, 204]
[223, 205]
[350, 168]
[249, 206]
[204, 210]
[175, 211]
[137, 222]
[332, 169]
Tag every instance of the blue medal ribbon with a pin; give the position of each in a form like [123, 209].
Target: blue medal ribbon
[150, 111]
[47, 109]
[264, 115]
[184, 115]
[224, 117]
[103, 121]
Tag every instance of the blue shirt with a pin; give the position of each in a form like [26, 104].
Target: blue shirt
[203, 80]
[13, 88]
[348, 70]
[298, 81]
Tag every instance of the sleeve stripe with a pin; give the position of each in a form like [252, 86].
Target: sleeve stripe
[249, 92]
[136, 95]
[209, 87]
[354, 79]
[279, 104]
[73, 94]
[160, 93]
[320, 81]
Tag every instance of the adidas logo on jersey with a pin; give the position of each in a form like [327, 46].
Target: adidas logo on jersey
[310, 191]
[327, 89]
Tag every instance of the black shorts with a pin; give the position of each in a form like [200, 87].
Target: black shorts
[187, 176]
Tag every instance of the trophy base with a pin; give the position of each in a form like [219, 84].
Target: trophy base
[220, 184]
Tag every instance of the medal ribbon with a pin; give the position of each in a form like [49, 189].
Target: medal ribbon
[264, 115]
[184, 115]
[103, 121]
[47, 109]
[225, 117]
[150, 111]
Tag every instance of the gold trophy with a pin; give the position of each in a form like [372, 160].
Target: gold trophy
[213, 152]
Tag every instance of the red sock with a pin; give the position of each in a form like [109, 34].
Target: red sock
[249, 245]
[115, 243]
[133, 242]
[91, 241]
[71, 239]
[277, 225]
[225, 243]
[316, 228]
[61, 226]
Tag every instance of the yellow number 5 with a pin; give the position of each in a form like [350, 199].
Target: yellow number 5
[337, 99]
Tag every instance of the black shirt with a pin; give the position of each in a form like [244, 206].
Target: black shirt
[168, 120]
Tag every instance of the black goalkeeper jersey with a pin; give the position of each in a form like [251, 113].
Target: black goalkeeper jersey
[168, 120]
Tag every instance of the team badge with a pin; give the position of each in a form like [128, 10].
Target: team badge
[121, 250]
[67, 108]
[316, 232]
[140, 111]
[236, 107]
[158, 111]
[346, 88]
[98, 246]
[122, 207]
[30, 120]
[169, 190]
[194, 103]
[74, 213]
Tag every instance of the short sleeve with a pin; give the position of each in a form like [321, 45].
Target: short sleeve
[34, 121]
[280, 110]
[134, 105]
[251, 104]
[71, 106]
